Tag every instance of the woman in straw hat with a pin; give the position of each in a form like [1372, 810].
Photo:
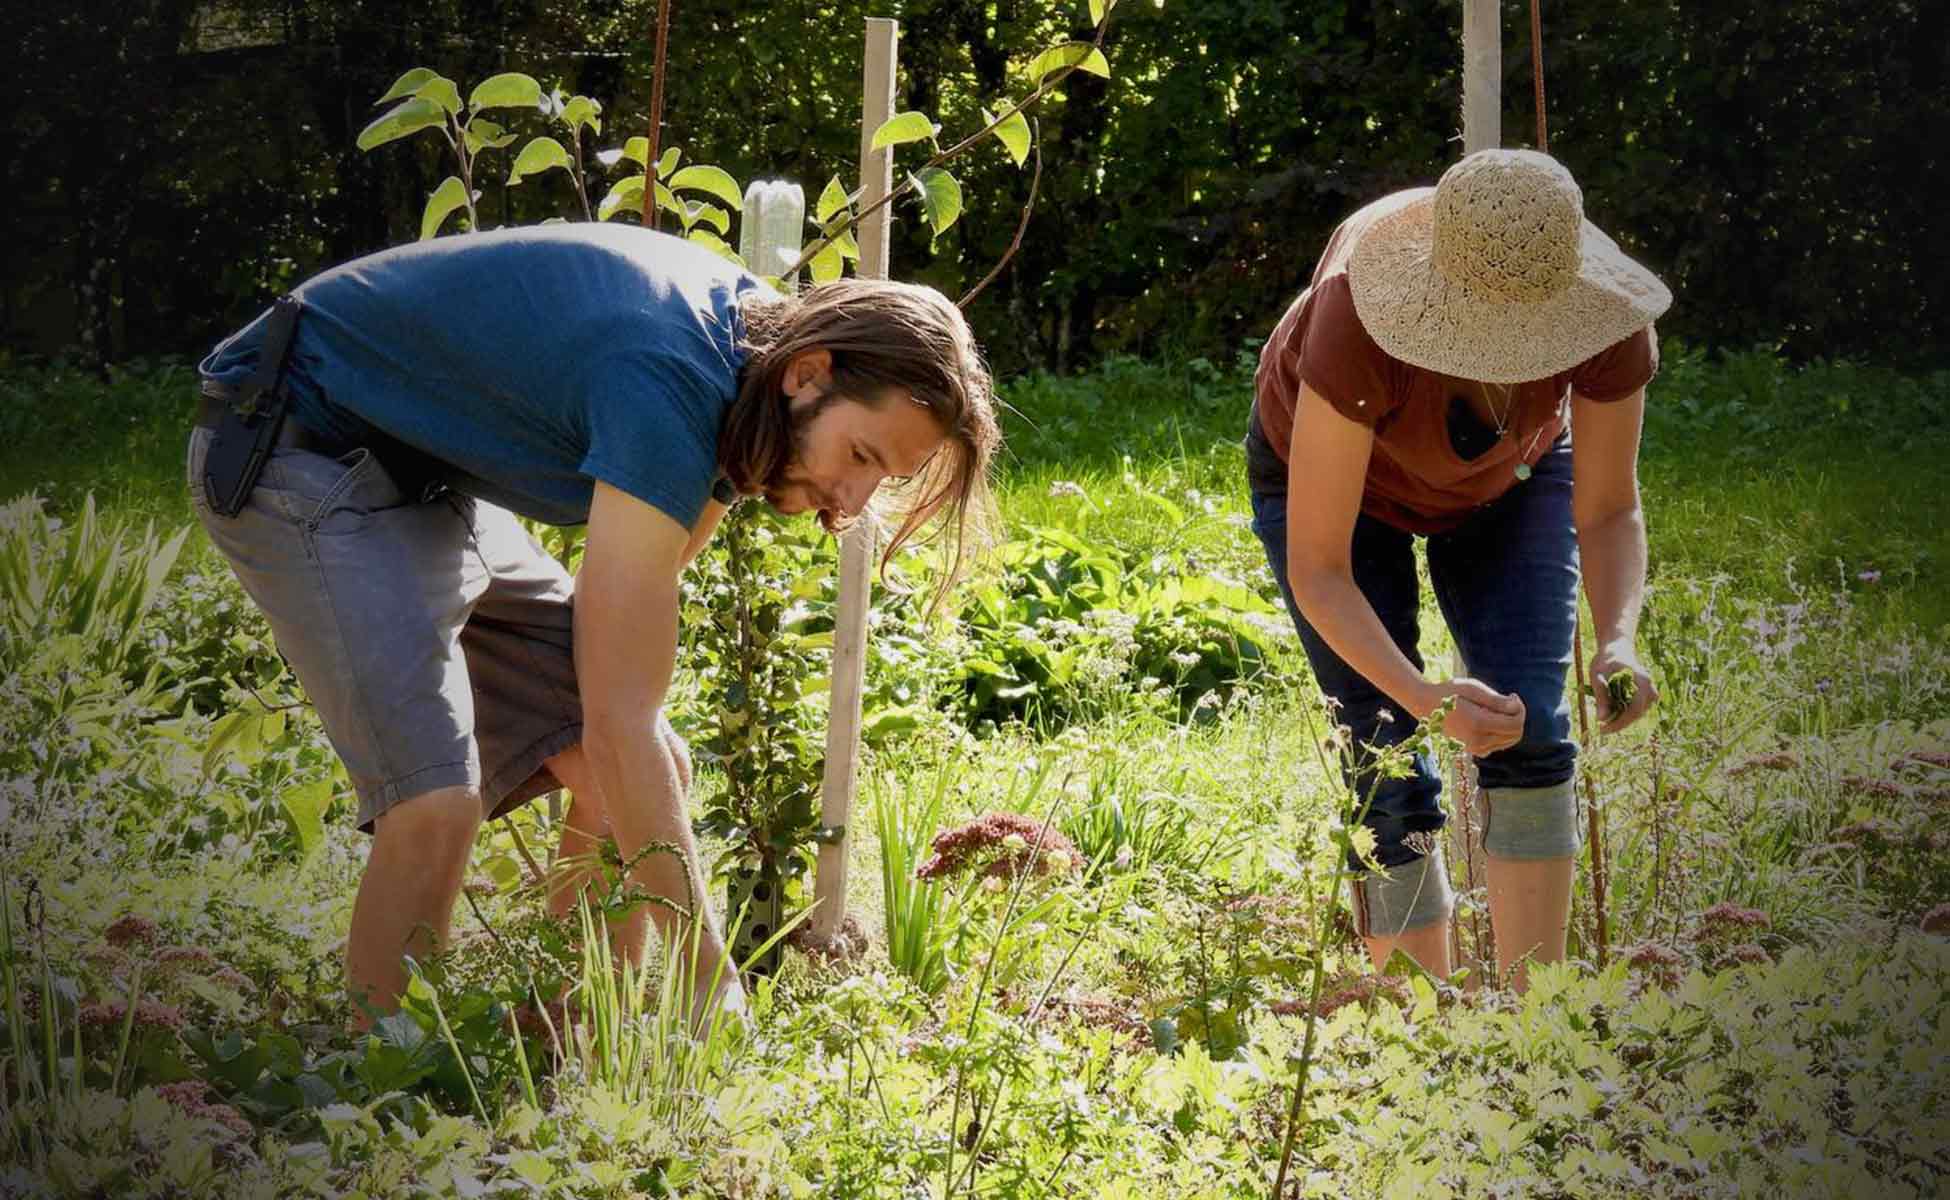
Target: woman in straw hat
[1426, 383]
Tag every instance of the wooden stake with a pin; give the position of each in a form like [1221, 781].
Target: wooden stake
[857, 547]
[1482, 76]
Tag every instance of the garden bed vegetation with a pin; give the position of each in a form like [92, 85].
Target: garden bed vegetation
[1093, 858]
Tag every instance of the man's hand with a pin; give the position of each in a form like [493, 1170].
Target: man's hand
[1484, 720]
[1610, 660]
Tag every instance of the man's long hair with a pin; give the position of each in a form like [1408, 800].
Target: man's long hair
[882, 336]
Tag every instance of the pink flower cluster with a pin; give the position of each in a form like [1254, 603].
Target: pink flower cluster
[150, 1015]
[1001, 845]
[131, 930]
[1363, 989]
[192, 1097]
[1727, 918]
[1662, 963]
[1937, 920]
[1780, 760]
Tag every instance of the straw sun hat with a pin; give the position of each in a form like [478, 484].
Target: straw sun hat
[1495, 275]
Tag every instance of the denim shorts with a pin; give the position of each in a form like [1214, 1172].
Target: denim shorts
[433, 635]
[1506, 581]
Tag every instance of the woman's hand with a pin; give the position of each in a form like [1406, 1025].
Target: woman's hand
[1611, 660]
[1483, 719]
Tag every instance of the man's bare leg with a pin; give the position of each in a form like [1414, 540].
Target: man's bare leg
[420, 849]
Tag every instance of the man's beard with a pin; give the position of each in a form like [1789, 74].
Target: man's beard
[780, 479]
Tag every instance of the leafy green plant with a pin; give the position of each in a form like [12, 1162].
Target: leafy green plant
[1068, 624]
[919, 912]
[761, 671]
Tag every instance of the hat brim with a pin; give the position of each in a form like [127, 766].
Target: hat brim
[1419, 316]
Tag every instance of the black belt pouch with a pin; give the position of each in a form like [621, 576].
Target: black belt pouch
[247, 431]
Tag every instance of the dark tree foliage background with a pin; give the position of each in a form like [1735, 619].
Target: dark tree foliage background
[172, 164]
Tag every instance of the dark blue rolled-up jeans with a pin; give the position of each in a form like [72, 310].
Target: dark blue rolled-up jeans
[1506, 580]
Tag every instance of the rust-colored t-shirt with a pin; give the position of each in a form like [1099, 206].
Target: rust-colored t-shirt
[1417, 480]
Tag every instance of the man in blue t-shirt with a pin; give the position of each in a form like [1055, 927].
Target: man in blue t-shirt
[567, 373]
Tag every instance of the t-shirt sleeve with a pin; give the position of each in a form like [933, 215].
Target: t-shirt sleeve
[653, 432]
[1619, 370]
[1341, 362]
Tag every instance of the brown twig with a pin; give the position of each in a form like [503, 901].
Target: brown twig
[656, 117]
[1022, 226]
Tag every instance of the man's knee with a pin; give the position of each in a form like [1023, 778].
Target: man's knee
[1531, 822]
[437, 827]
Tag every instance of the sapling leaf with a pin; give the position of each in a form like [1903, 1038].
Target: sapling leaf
[832, 198]
[537, 156]
[902, 128]
[408, 84]
[408, 116]
[510, 89]
[625, 195]
[441, 90]
[1081, 55]
[827, 265]
[1013, 133]
[581, 110]
[714, 180]
[450, 195]
[667, 161]
[634, 149]
[940, 197]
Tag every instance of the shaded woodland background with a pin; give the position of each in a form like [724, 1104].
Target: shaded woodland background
[173, 164]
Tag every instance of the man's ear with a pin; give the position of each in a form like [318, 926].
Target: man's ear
[812, 367]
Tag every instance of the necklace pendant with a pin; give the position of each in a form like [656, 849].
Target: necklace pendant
[1523, 472]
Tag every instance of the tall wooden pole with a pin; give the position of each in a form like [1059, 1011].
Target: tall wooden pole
[1482, 76]
[857, 547]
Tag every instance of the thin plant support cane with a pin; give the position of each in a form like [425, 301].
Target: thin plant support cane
[857, 545]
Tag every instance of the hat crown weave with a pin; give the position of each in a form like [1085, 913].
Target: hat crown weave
[1508, 226]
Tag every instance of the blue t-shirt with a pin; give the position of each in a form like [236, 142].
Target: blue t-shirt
[526, 363]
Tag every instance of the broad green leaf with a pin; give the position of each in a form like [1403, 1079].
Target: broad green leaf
[450, 195]
[483, 134]
[1097, 10]
[306, 805]
[710, 214]
[581, 110]
[832, 198]
[940, 197]
[827, 265]
[1013, 134]
[625, 195]
[408, 84]
[634, 149]
[714, 180]
[1081, 55]
[511, 89]
[715, 244]
[537, 156]
[844, 243]
[902, 128]
[667, 161]
[408, 116]
[441, 91]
